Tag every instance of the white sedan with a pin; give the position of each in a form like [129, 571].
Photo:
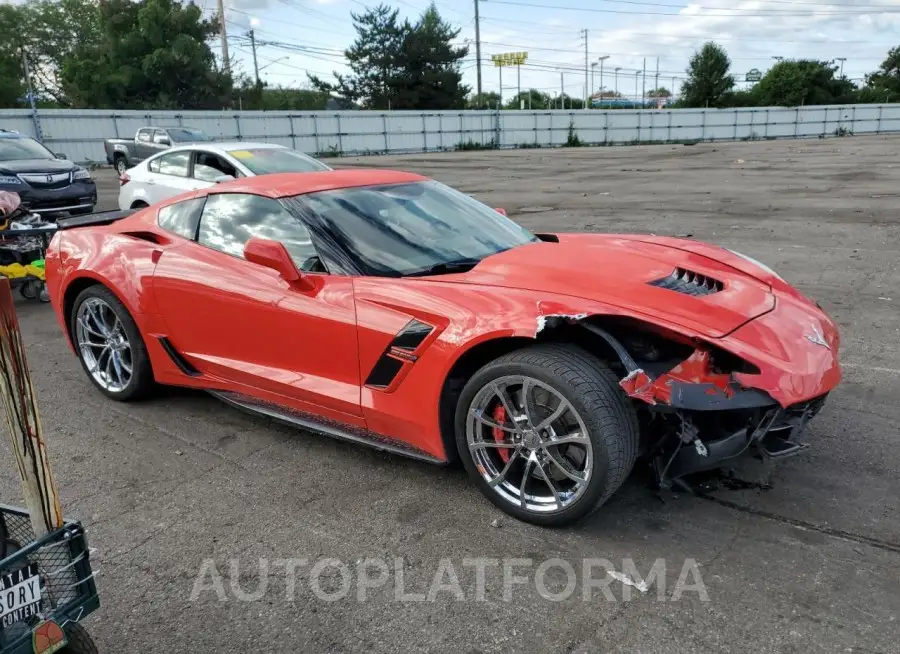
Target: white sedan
[201, 165]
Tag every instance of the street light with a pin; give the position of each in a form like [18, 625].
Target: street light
[601, 60]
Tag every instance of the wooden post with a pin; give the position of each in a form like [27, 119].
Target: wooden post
[24, 422]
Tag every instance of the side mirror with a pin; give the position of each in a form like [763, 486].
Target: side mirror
[60, 155]
[501, 211]
[271, 254]
[223, 178]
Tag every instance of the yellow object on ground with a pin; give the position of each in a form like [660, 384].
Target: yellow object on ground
[17, 270]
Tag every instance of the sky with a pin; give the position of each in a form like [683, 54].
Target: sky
[299, 36]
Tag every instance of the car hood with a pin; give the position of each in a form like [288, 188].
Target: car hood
[619, 270]
[36, 166]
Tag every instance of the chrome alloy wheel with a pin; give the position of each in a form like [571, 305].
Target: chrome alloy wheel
[529, 444]
[103, 344]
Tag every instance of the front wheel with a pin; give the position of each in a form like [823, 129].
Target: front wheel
[546, 433]
[109, 345]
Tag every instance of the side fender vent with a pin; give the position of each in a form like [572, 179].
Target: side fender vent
[689, 283]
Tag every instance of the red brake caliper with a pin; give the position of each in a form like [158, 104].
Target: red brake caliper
[499, 434]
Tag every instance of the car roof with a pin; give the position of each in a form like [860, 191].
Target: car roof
[280, 185]
[223, 147]
[9, 134]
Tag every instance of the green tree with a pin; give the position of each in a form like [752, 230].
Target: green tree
[399, 65]
[375, 60]
[884, 84]
[530, 99]
[661, 92]
[53, 31]
[708, 81]
[792, 83]
[12, 78]
[487, 100]
[431, 77]
[151, 54]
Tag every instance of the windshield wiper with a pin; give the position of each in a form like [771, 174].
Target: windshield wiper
[446, 267]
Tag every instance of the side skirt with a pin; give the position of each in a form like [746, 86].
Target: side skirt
[310, 422]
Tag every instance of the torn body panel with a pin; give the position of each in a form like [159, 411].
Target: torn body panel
[693, 384]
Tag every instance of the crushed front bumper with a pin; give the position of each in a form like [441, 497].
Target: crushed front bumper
[79, 196]
[769, 433]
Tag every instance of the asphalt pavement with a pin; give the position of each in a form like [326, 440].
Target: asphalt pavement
[214, 529]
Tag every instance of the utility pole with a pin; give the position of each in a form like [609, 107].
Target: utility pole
[519, 84]
[255, 64]
[637, 76]
[672, 90]
[226, 64]
[593, 66]
[842, 60]
[477, 47]
[38, 132]
[585, 32]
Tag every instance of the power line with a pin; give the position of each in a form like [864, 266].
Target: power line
[786, 12]
[554, 31]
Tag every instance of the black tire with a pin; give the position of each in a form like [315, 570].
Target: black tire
[80, 641]
[139, 205]
[594, 392]
[141, 382]
[120, 164]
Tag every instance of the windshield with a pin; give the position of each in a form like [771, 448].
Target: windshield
[184, 135]
[412, 228]
[265, 161]
[19, 149]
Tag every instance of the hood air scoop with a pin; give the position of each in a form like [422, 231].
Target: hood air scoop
[689, 283]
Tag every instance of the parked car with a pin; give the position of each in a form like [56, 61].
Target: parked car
[201, 165]
[147, 141]
[386, 308]
[47, 183]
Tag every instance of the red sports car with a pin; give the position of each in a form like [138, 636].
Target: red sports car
[387, 308]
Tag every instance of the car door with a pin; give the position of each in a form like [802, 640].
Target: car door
[169, 175]
[208, 168]
[242, 322]
[142, 144]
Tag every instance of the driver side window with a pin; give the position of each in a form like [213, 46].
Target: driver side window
[229, 220]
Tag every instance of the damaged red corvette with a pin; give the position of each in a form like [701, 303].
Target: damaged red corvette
[386, 308]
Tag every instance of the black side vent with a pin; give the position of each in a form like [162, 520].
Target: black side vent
[411, 336]
[384, 372]
[400, 349]
[689, 283]
[183, 364]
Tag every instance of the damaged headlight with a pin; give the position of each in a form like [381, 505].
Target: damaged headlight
[757, 263]
[81, 173]
[9, 180]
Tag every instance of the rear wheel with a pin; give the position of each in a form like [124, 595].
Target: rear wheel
[546, 433]
[79, 641]
[120, 164]
[109, 345]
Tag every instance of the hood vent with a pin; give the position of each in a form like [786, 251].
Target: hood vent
[689, 283]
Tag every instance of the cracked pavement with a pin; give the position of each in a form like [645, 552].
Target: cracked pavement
[809, 565]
